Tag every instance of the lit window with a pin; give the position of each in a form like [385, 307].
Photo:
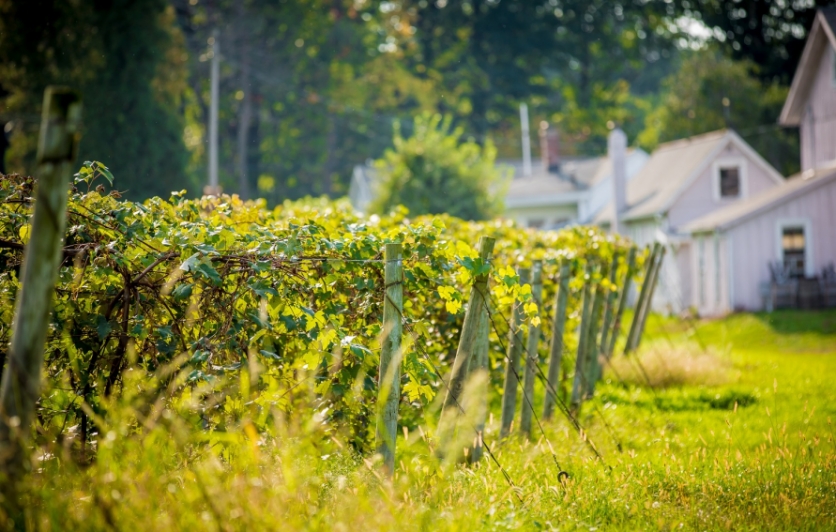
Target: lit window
[730, 182]
[793, 246]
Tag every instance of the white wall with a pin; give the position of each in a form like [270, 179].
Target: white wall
[700, 197]
[756, 242]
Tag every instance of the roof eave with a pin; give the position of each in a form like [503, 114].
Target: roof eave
[792, 111]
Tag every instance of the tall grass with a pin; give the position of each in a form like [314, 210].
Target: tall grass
[765, 464]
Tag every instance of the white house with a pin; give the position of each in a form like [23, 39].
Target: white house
[680, 182]
[573, 192]
[784, 239]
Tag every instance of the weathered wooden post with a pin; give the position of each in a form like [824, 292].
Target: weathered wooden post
[586, 316]
[609, 308]
[532, 358]
[20, 388]
[468, 344]
[648, 304]
[512, 362]
[479, 369]
[389, 378]
[643, 293]
[556, 348]
[622, 302]
[591, 358]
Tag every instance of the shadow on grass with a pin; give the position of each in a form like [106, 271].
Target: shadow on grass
[680, 400]
[799, 321]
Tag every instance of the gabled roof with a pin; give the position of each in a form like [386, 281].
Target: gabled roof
[575, 176]
[671, 169]
[821, 34]
[741, 211]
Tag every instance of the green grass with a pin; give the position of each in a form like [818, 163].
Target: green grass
[755, 453]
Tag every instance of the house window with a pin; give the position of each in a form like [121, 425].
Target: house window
[730, 182]
[536, 223]
[793, 248]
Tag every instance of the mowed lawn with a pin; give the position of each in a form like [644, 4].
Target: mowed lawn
[754, 450]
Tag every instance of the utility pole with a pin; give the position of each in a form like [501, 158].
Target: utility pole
[526, 140]
[213, 188]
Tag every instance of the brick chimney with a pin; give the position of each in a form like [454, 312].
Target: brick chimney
[549, 148]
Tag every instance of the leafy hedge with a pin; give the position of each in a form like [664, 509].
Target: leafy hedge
[223, 289]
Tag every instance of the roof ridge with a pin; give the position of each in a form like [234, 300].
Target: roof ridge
[702, 137]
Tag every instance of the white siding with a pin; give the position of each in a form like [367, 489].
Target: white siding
[754, 243]
[699, 198]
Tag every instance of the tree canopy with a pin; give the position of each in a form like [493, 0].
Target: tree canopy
[435, 172]
[311, 88]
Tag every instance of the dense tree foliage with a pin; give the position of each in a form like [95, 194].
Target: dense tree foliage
[434, 172]
[310, 88]
[125, 59]
[710, 92]
[769, 33]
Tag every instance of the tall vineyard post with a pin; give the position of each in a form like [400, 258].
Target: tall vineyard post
[532, 358]
[622, 302]
[389, 376]
[468, 343]
[512, 362]
[57, 147]
[586, 316]
[591, 356]
[556, 347]
[629, 346]
[479, 364]
[648, 304]
[609, 316]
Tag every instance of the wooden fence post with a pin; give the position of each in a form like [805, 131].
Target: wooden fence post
[479, 364]
[622, 302]
[648, 305]
[468, 343]
[591, 358]
[389, 378]
[645, 289]
[21, 383]
[556, 348]
[512, 363]
[586, 315]
[532, 357]
[609, 309]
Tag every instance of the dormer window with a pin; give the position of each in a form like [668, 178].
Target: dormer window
[729, 179]
[730, 182]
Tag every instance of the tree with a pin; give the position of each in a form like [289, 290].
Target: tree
[710, 92]
[769, 33]
[434, 172]
[123, 57]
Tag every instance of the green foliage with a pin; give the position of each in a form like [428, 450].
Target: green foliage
[214, 287]
[435, 172]
[694, 102]
[755, 455]
[124, 59]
